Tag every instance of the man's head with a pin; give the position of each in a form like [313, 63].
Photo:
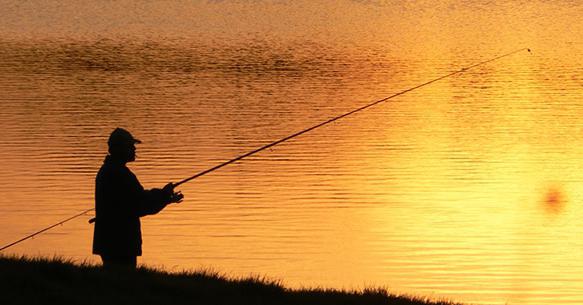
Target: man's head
[122, 145]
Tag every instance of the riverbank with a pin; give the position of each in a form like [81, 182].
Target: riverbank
[57, 281]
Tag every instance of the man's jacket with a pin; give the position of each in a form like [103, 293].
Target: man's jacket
[120, 201]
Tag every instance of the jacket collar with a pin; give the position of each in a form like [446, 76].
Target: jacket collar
[109, 159]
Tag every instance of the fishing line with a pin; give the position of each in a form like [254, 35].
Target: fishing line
[290, 137]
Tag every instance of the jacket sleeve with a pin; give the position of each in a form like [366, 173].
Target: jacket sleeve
[151, 202]
[144, 202]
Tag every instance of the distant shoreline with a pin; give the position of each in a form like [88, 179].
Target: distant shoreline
[58, 281]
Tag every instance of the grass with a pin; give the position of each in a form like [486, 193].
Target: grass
[58, 281]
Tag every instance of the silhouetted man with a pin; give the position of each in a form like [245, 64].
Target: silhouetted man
[120, 201]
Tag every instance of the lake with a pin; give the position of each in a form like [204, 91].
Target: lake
[470, 188]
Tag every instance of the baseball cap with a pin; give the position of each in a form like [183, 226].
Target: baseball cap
[121, 136]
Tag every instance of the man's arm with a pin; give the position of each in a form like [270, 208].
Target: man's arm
[154, 200]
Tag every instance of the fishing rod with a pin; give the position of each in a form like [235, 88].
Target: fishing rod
[46, 229]
[343, 116]
[289, 137]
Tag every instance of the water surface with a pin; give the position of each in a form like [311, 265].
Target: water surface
[468, 189]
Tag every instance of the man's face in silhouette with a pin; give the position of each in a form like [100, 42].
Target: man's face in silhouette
[132, 153]
[125, 152]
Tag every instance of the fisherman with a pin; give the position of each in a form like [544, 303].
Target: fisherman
[120, 201]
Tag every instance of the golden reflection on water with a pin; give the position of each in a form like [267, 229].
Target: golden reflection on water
[469, 188]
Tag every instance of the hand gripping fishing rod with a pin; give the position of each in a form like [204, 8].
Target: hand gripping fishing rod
[290, 137]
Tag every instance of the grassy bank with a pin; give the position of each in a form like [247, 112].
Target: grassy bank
[42, 281]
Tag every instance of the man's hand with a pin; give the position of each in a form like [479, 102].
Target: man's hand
[173, 197]
[168, 188]
[176, 197]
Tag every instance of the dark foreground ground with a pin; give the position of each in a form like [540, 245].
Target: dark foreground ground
[54, 281]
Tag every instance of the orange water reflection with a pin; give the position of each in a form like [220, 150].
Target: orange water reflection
[469, 188]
